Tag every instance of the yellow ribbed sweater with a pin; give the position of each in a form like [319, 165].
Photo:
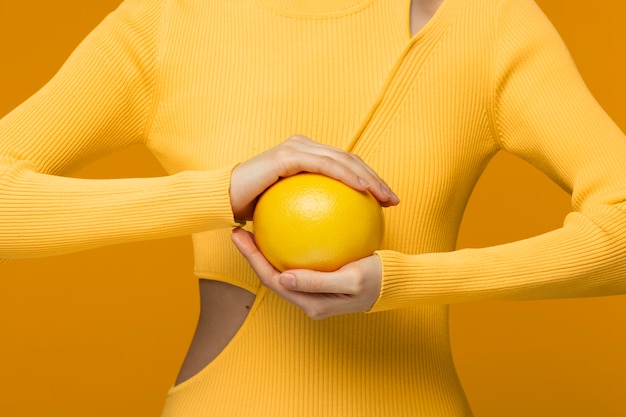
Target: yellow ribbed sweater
[207, 84]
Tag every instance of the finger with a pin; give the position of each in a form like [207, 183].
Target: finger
[377, 186]
[317, 306]
[338, 282]
[350, 160]
[294, 161]
[244, 241]
[346, 167]
[321, 306]
[351, 174]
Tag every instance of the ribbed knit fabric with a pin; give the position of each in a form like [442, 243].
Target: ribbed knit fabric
[207, 84]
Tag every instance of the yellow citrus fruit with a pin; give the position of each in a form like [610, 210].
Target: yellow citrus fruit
[315, 222]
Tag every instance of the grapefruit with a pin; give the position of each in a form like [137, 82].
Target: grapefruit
[315, 222]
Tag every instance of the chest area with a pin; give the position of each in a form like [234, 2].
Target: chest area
[249, 81]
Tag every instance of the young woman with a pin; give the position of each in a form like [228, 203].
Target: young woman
[419, 93]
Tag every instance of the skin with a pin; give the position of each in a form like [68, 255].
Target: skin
[421, 12]
[224, 307]
[352, 288]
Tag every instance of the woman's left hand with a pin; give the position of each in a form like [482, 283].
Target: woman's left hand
[351, 289]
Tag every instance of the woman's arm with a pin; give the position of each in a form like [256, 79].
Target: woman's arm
[100, 101]
[542, 112]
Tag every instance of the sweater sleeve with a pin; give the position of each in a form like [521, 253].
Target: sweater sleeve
[99, 101]
[544, 113]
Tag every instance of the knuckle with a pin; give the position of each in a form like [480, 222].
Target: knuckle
[267, 283]
[282, 152]
[314, 285]
[315, 313]
[347, 172]
[288, 146]
[325, 161]
[358, 281]
[356, 286]
[357, 158]
[284, 160]
[297, 138]
[346, 157]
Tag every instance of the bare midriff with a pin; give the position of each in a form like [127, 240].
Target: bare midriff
[223, 309]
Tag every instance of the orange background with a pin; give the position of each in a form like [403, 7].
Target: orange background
[102, 333]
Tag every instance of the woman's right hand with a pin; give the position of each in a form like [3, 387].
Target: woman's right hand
[301, 154]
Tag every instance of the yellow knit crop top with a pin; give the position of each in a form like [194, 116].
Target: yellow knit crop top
[206, 84]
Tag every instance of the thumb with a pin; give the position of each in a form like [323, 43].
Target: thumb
[304, 280]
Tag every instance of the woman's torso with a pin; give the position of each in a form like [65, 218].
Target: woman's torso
[353, 78]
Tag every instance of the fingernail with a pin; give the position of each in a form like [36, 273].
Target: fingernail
[288, 281]
[235, 240]
[392, 196]
[387, 191]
